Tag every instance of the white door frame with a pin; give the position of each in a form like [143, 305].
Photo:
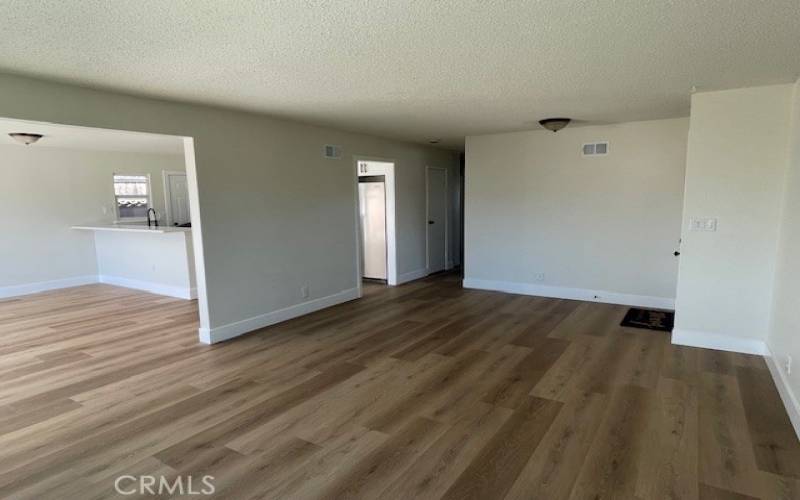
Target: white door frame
[388, 171]
[427, 218]
[168, 194]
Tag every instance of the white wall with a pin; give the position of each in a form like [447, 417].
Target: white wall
[736, 164]
[275, 215]
[784, 337]
[603, 226]
[44, 191]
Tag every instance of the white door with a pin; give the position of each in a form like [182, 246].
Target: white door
[177, 198]
[437, 218]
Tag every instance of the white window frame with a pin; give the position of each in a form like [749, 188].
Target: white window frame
[118, 218]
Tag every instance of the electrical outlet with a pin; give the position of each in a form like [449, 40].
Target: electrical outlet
[788, 365]
[304, 291]
[538, 276]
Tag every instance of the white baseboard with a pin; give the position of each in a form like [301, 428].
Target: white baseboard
[148, 286]
[231, 330]
[413, 275]
[785, 390]
[43, 286]
[559, 292]
[694, 338]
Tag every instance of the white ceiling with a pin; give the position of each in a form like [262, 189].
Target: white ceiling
[93, 139]
[412, 69]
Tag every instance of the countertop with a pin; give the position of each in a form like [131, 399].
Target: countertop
[133, 228]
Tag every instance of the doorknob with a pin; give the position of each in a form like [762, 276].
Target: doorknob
[430, 222]
[676, 253]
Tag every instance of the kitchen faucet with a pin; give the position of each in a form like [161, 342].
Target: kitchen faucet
[155, 217]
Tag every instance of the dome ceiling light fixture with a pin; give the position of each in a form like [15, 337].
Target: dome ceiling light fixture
[554, 124]
[25, 138]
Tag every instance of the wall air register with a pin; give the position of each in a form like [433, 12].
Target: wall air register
[332, 152]
[595, 149]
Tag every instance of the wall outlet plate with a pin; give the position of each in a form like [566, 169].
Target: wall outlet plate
[788, 366]
[304, 291]
[538, 276]
[708, 224]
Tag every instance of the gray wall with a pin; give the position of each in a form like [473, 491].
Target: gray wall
[735, 172]
[593, 226]
[275, 214]
[784, 336]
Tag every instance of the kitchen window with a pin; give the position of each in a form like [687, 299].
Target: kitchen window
[132, 196]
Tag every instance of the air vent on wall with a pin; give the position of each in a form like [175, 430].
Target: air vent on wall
[595, 149]
[332, 152]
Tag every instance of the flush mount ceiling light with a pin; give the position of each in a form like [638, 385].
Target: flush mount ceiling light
[555, 124]
[25, 138]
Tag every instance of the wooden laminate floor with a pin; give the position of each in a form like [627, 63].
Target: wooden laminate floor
[420, 391]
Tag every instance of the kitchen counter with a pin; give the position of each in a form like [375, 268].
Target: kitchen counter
[159, 259]
[134, 228]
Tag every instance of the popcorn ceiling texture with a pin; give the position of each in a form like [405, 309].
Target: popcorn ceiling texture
[411, 69]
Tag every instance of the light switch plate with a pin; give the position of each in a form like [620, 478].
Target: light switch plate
[703, 224]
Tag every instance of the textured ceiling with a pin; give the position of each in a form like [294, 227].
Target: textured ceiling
[411, 69]
[92, 139]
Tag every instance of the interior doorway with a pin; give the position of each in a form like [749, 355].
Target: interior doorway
[372, 214]
[377, 251]
[462, 189]
[88, 219]
[176, 196]
[436, 223]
